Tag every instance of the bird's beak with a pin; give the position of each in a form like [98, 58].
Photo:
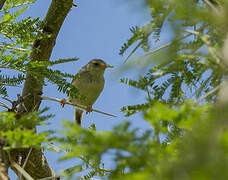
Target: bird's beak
[108, 66]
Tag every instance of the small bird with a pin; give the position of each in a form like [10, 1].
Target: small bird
[90, 82]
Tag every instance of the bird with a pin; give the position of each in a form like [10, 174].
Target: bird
[89, 81]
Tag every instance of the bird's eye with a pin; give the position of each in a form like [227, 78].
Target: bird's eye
[96, 64]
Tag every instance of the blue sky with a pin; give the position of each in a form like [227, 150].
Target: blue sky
[95, 29]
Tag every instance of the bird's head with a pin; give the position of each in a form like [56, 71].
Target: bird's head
[97, 66]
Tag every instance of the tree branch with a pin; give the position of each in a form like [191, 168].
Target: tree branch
[14, 48]
[4, 160]
[138, 45]
[2, 2]
[42, 50]
[212, 5]
[207, 94]
[76, 105]
[4, 105]
[22, 171]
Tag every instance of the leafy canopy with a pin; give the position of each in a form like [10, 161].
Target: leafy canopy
[187, 138]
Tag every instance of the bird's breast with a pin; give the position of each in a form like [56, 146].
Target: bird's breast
[88, 88]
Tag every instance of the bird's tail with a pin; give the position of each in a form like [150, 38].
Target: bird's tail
[78, 116]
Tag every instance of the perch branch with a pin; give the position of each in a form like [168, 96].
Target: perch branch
[76, 105]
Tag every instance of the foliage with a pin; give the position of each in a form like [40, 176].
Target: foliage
[185, 139]
[18, 132]
[19, 36]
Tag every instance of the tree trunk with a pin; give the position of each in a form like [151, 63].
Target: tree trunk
[37, 166]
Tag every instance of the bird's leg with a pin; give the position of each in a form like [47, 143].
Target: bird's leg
[63, 102]
[89, 109]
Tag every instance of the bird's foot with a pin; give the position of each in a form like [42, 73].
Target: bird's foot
[63, 102]
[89, 109]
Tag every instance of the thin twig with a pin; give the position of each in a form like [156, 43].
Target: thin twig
[192, 31]
[147, 36]
[207, 94]
[148, 93]
[56, 147]
[22, 4]
[5, 84]
[13, 68]
[30, 150]
[211, 50]
[21, 170]
[5, 98]
[62, 150]
[81, 107]
[211, 6]
[167, 45]
[5, 34]
[20, 100]
[14, 48]
[156, 50]
[136, 47]
[74, 4]
[4, 105]
[170, 43]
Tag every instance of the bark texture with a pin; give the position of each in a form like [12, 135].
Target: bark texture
[42, 50]
[4, 161]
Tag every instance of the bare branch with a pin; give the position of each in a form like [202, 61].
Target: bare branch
[14, 104]
[21, 170]
[81, 107]
[192, 31]
[74, 4]
[170, 43]
[14, 48]
[7, 99]
[140, 43]
[166, 45]
[212, 6]
[13, 68]
[4, 105]
[5, 84]
[208, 94]
[148, 94]
[26, 160]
